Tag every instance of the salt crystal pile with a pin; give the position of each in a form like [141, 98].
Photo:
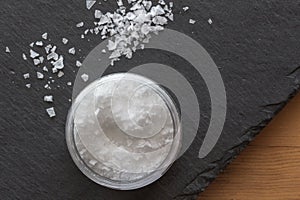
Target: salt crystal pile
[130, 28]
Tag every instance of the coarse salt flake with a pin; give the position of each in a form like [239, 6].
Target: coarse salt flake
[45, 36]
[26, 76]
[65, 40]
[51, 112]
[192, 21]
[80, 24]
[78, 64]
[72, 51]
[7, 50]
[39, 75]
[85, 77]
[90, 3]
[48, 98]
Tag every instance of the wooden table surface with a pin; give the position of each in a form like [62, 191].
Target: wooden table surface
[269, 168]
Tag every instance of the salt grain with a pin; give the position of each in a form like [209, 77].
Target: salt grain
[78, 64]
[45, 36]
[47, 48]
[72, 51]
[39, 75]
[59, 64]
[7, 50]
[210, 21]
[28, 85]
[65, 40]
[80, 24]
[36, 62]
[24, 56]
[48, 98]
[47, 87]
[90, 3]
[98, 14]
[33, 54]
[51, 112]
[41, 58]
[85, 77]
[39, 43]
[60, 74]
[192, 21]
[186, 8]
[69, 83]
[26, 76]
[45, 69]
[54, 70]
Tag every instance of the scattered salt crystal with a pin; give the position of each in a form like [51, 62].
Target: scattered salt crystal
[39, 43]
[54, 70]
[80, 24]
[45, 69]
[36, 61]
[48, 98]
[26, 76]
[47, 87]
[65, 40]
[39, 75]
[210, 21]
[28, 85]
[41, 58]
[33, 54]
[78, 64]
[69, 100]
[185, 8]
[60, 74]
[69, 83]
[7, 50]
[98, 14]
[47, 48]
[59, 64]
[31, 44]
[24, 56]
[90, 3]
[72, 51]
[103, 51]
[53, 56]
[51, 112]
[45, 36]
[53, 49]
[191, 21]
[85, 77]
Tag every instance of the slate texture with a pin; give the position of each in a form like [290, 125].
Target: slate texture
[255, 44]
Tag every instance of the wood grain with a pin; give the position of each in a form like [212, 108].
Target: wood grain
[269, 168]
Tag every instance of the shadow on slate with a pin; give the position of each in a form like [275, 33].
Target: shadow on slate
[256, 46]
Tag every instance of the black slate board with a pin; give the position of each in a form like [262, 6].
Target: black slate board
[256, 46]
